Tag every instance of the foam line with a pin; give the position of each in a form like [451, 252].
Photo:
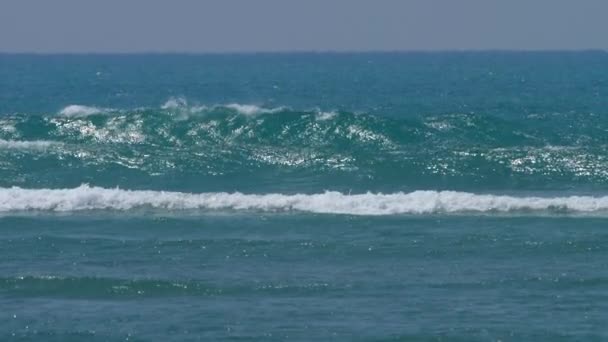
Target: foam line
[86, 197]
[25, 145]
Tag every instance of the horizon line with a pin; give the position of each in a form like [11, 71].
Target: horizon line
[285, 52]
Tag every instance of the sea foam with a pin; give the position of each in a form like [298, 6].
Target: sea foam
[80, 110]
[86, 197]
[26, 145]
[249, 109]
[181, 104]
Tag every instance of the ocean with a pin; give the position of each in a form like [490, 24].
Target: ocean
[446, 196]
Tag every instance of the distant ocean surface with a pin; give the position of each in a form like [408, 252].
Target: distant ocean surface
[374, 197]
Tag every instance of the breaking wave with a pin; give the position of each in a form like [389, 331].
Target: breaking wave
[181, 105]
[173, 105]
[314, 149]
[80, 110]
[87, 197]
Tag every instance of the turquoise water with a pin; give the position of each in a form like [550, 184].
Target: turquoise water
[421, 196]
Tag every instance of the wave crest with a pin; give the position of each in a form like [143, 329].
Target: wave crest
[80, 110]
[249, 109]
[181, 105]
[86, 197]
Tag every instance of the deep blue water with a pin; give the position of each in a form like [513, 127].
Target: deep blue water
[381, 196]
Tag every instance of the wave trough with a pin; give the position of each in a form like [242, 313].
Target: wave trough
[87, 197]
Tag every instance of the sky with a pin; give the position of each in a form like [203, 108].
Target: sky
[199, 26]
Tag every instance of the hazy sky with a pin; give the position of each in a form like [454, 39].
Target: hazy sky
[286, 25]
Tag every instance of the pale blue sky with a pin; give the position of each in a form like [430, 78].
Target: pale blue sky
[285, 25]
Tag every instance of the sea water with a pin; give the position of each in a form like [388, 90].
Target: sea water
[374, 196]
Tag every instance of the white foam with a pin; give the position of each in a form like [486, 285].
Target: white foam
[175, 103]
[86, 197]
[249, 109]
[322, 116]
[80, 110]
[26, 145]
[181, 104]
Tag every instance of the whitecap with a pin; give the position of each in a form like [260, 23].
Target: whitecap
[80, 110]
[322, 116]
[175, 103]
[249, 109]
[181, 105]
